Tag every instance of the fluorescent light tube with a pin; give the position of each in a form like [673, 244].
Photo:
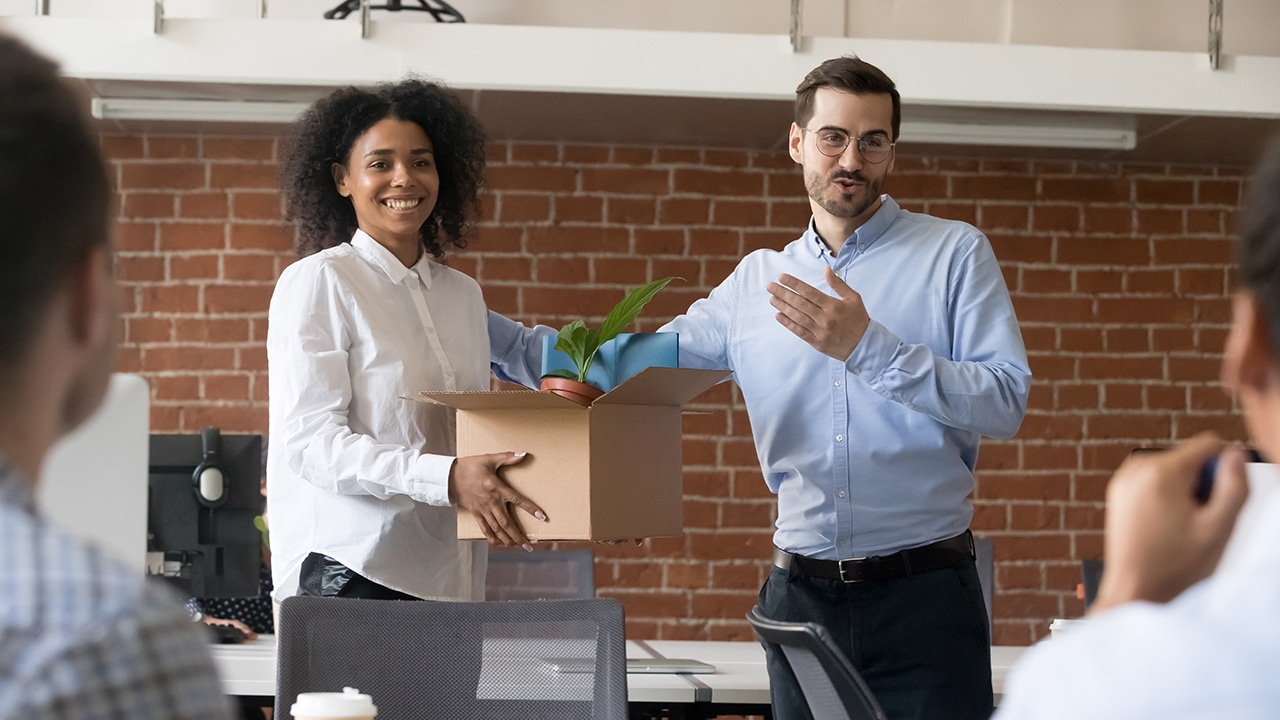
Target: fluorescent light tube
[196, 110]
[1057, 136]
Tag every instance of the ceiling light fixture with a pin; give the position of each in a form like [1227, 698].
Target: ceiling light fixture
[250, 111]
[1098, 137]
[955, 128]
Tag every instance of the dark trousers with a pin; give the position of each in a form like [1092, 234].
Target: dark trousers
[920, 642]
[322, 576]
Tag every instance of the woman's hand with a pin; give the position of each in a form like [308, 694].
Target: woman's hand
[249, 635]
[474, 484]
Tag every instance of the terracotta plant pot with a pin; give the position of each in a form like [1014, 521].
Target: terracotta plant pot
[581, 393]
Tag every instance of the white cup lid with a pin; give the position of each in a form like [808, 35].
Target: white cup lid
[350, 703]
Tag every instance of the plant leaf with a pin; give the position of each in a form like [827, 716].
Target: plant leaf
[261, 523]
[628, 309]
[572, 341]
[566, 374]
[580, 344]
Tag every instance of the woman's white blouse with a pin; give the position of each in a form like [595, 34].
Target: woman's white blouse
[356, 470]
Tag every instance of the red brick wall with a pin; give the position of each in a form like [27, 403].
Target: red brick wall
[1119, 272]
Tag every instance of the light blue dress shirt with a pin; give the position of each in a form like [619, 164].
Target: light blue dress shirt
[876, 453]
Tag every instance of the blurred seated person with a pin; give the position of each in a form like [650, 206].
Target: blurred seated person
[250, 615]
[1166, 636]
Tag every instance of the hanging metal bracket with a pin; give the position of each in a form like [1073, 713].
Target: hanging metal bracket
[795, 25]
[1215, 34]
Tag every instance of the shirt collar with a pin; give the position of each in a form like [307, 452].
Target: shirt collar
[15, 491]
[868, 233]
[374, 252]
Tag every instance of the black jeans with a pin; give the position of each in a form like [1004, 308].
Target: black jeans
[920, 642]
[322, 576]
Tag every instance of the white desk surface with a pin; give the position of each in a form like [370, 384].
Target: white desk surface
[740, 676]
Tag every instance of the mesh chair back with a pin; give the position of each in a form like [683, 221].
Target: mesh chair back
[457, 660]
[543, 575]
[831, 686]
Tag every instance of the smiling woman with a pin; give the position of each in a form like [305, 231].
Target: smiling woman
[381, 182]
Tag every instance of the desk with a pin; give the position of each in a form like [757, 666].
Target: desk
[739, 685]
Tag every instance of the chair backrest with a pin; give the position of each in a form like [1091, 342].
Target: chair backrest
[984, 557]
[542, 575]
[1091, 578]
[831, 686]
[457, 660]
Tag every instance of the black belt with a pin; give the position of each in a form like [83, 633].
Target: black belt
[934, 556]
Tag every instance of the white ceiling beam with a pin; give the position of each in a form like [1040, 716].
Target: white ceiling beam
[547, 59]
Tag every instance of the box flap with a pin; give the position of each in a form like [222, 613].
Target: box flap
[505, 400]
[663, 386]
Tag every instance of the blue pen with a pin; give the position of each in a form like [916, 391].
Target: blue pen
[1204, 483]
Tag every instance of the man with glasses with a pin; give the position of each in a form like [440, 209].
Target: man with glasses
[872, 353]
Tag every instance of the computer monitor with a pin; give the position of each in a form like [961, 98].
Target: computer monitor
[94, 482]
[200, 526]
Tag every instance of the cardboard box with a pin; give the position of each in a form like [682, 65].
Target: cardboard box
[608, 472]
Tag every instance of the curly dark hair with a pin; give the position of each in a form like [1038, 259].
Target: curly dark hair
[325, 133]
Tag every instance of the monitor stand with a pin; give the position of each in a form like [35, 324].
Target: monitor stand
[445, 13]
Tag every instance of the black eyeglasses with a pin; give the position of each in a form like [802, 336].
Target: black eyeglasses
[832, 142]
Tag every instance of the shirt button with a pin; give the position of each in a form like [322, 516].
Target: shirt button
[857, 369]
[862, 246]
[843, 543]
[837, 383]
[841, 493]
[839, 438]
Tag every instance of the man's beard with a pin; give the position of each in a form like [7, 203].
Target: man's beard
[843, 206]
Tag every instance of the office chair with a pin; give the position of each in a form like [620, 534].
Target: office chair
[543, 575]
[831, 686]
[1091, 578]
[548, 660]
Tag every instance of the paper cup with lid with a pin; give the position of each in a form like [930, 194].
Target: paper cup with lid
[350, 704]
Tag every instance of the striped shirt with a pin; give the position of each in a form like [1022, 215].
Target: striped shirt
[82, 638]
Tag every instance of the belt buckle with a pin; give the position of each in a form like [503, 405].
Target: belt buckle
[841, 565]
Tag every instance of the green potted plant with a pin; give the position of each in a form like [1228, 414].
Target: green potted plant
[581, 344]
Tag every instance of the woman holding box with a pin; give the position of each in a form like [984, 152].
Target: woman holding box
[380, 182]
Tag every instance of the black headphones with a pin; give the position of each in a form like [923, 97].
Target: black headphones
[209, 481]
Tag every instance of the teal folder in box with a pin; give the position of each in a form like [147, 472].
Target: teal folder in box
[620, 358]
